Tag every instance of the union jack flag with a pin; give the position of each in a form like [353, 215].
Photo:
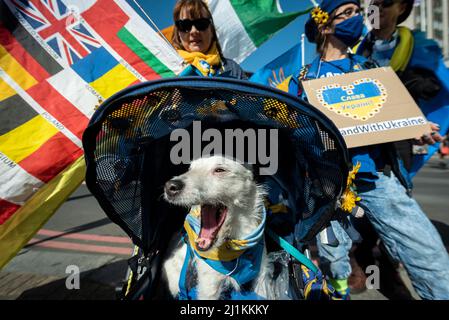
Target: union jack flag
[59, 27]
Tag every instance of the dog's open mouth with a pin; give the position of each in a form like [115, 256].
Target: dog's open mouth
[212, 218]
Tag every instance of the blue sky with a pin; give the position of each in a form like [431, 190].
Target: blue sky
[160, 12]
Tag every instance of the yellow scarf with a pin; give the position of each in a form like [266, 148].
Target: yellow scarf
[228, 251]
[403, 52]
[208, 64]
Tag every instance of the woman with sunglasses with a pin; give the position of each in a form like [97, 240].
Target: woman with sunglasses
[405, 230]
[196, 41]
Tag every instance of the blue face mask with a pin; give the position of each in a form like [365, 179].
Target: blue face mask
[350, 30]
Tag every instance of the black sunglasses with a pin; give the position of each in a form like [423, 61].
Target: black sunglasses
[186, 24]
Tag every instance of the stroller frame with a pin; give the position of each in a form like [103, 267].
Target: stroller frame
[127, 114]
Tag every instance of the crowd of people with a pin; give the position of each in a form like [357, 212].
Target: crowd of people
[393, 220]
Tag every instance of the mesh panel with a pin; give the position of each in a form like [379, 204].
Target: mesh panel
[127, 146]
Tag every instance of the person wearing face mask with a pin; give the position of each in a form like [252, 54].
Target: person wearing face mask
[407, 233]
[195, 39]
[418, 62]
[415, 60]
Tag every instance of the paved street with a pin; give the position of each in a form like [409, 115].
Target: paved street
[79, 234]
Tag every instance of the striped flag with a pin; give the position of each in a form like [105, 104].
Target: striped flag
[58, 60]
[243, 26]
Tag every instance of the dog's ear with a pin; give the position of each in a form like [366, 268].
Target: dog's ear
[254, 168]
[248, 166]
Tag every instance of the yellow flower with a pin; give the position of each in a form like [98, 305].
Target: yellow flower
[349, 200]
[319, 16]
[325, 19]
[352, 173]
[316, 11]
[349, 197]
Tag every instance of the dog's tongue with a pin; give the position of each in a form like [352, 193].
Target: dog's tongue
[211, 220]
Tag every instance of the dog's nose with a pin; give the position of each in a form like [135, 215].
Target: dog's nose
[173, 187]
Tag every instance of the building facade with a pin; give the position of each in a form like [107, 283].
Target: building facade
[432, 17]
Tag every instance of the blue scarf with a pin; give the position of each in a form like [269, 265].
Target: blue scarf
[237, 258]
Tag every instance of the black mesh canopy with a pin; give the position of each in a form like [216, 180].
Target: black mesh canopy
[127, 150]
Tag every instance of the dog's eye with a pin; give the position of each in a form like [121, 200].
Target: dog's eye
[219, 170]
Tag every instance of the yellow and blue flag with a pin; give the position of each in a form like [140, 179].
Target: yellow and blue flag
[427, 55]
[280, 69]
[58, 61]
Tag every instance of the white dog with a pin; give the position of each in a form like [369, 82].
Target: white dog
[231, 208]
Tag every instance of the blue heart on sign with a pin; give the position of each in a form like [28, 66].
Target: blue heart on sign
[359, 100]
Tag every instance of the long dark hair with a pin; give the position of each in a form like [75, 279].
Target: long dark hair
[197, 9]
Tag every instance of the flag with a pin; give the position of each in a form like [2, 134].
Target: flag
[280, 69]
[243, 26]
[427, 55]
[58, 61]
[278, 72]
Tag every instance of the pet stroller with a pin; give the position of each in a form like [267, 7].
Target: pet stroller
[127, 150]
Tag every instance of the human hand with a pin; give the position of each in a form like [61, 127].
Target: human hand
[430, 138]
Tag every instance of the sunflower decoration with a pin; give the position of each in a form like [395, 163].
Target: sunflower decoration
[349, 197]
[100, 101]
[320, 16]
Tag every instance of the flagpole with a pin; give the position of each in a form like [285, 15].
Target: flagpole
[303, 40]
[154, 24]
[303, 49]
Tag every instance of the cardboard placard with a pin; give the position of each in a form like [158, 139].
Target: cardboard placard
[368, 107]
